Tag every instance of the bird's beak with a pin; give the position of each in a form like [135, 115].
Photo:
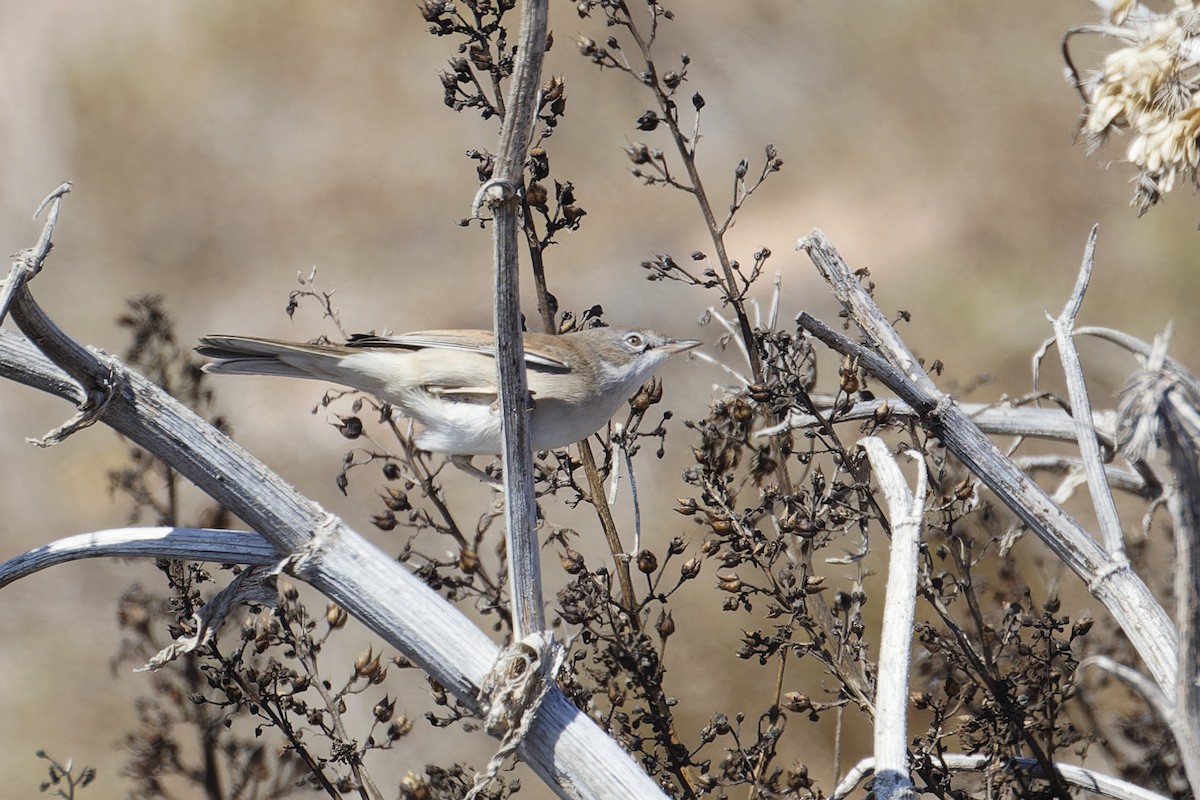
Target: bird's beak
[674, 346]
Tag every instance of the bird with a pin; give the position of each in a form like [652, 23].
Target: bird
[446, 380]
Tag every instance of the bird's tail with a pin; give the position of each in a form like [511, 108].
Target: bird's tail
[248, 355]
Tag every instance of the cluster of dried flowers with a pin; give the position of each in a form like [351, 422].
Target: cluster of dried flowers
[1147, 88]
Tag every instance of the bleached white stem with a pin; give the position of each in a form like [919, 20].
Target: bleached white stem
[906, 510]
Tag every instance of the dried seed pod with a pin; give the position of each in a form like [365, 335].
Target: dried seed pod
[665, 625]
[572, 561]
[731, 583]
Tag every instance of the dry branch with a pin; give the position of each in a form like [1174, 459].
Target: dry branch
[1105, 569]
[907, 510]
[501, 192]
[1072, 775]
[885, 356]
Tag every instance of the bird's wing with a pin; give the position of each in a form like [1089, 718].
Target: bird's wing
[537, 353]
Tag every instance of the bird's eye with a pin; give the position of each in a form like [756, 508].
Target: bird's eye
[634, 340]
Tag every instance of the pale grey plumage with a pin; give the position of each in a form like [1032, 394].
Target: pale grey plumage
[446, 380]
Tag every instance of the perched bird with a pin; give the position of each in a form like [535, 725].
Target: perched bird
[446, 380]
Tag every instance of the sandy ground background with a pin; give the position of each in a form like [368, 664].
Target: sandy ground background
[217, 148]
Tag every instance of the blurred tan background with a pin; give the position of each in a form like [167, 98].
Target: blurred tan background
[217, 148]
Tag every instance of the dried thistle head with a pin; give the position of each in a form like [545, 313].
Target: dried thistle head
[1147, 88]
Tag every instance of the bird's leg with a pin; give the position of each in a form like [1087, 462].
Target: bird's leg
[464, 464]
